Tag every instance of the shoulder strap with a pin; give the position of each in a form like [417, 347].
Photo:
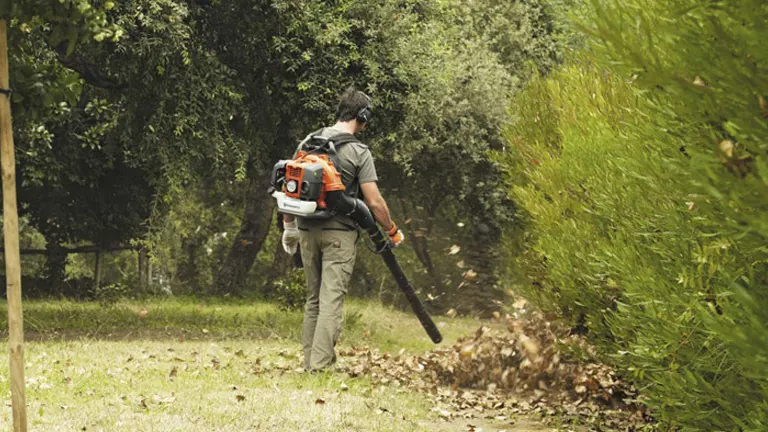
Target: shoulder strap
[353, 189]
[329, 144]
[308, 138]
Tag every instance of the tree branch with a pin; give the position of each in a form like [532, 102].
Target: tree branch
[88, 71]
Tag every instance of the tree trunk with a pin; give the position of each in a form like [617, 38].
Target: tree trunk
[481, 295]
[186, 269]
[253, 232]
[257, 218]
[142, 263]
[282, 263]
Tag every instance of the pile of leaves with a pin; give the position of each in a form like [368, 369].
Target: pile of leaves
[532, 366]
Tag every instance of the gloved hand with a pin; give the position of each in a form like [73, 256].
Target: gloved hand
[395, 235]
[291, 236]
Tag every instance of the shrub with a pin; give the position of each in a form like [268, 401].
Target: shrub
[291, 290]
[645, 188]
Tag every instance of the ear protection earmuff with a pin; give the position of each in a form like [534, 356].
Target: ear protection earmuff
[365, 114]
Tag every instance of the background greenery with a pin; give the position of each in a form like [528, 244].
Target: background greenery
[606, 160]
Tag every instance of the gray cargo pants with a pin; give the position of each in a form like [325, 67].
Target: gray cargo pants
[329, 257]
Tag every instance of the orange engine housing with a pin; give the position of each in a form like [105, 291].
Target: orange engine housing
[315, 176]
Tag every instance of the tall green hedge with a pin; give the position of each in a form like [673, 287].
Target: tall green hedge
[643, 170]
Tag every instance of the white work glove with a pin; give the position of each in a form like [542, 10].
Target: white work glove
[291, 237]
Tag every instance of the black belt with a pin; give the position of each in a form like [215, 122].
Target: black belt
[329, 229]
[347, 227]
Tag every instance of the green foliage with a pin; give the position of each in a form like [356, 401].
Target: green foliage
[291, 290]
[191, 239]
[68, 21]
[110, 294]
[646, 189]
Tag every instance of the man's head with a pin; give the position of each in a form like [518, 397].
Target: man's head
[354, 109]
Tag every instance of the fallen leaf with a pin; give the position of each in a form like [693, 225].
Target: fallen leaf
[454, 250]
[143, 313]
[699, 82]
[240, 398]
[726, 146]
[174, 371]
[319, 402]
[164, 400]
[451, 313]
[205, 331]
[382, 410]
[470, 275]
[344, 387]
[519, 304]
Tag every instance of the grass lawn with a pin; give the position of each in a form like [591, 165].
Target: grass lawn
[191, 365]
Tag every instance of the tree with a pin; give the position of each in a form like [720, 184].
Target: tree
[110, 125]
[430, 75]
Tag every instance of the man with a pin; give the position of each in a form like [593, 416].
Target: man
[328, 247]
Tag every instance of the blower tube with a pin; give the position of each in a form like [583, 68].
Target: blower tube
[341, 203]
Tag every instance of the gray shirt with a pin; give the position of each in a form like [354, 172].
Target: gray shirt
[356, 168]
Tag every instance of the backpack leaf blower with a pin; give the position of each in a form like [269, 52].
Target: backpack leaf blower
[310, 186]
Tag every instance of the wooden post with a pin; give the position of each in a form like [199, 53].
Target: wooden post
[143, 285]
[149, 274]
[99, 266]
[11, 233]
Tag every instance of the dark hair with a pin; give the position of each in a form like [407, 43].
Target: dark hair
[351, 103]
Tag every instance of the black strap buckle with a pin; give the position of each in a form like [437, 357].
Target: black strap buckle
[6, 92]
